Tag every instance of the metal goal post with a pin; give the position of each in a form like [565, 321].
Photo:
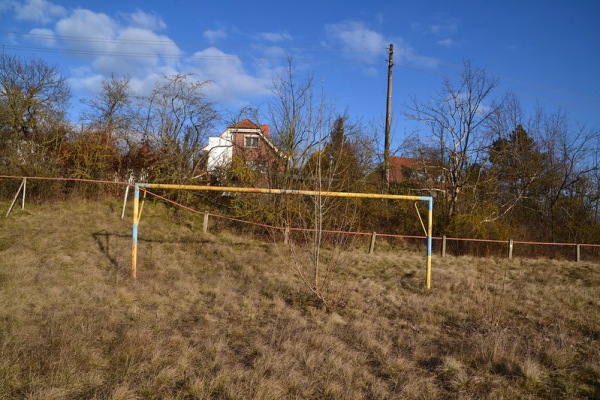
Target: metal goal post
[138, 186]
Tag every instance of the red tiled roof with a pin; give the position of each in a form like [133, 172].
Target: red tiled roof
[245, 124]
[399, 167]
[403, 162]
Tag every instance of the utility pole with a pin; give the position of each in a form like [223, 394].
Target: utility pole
[388, 120]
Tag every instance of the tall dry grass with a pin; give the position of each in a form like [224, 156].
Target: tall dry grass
[220, 316]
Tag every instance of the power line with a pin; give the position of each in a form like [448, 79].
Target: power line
[185, 56]
[316, 59]
[171, 42]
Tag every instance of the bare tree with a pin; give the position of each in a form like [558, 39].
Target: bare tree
[176, 118]
[33, 106]
[541, 174]
[301, 121]
[515, 163]
[297, 118]
[110, 111]
[32, 93]
[571, 154]
[594, 193]
[456, 118]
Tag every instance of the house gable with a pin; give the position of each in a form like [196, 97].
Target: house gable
[245, 140]
[417, 174]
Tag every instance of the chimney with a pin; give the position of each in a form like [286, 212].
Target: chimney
[265, 129]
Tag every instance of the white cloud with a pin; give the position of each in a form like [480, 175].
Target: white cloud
[446, 42]
[86, 83]
[441, 26]
[231, 83]
[143, 85]
[99, 45]
[274, 37]
[444, 26]
[6, 5]
[214, 35]
[43, 36]
[423, 61]
[403, 52]
[11, 38]
[87, 30]
[86, 80]
[416, 26]
[127, 50]
[366, 45]
[39, 11]
[356, 38]
[144, 20]
[274, 52]
[147, 43]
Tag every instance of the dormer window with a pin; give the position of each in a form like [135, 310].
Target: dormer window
[251, 141]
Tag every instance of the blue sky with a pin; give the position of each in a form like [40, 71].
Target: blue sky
[546, 52]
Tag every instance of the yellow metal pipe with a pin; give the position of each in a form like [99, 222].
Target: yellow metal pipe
[282, 191]
[142, 206]
[136, 221]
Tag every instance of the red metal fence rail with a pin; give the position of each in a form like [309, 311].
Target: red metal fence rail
[443, 241]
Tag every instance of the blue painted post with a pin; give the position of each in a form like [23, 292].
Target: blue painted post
[429, 238]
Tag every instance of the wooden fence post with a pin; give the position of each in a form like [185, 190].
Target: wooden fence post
[443, 246]
[578, 252]
[125, 201]
[21, 187]
[510, 249]
[205, 224]
[286, 235]
[24, 189]
[372, 245]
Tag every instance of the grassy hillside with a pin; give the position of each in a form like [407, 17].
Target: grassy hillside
[221, 316]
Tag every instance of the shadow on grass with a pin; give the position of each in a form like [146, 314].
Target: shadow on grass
[106, 242]
[103, 241]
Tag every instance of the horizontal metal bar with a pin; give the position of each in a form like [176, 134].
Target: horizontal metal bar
[282, 191]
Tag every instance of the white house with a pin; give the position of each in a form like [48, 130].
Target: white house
[244, 139]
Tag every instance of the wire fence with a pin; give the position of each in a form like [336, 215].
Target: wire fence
[442, 245]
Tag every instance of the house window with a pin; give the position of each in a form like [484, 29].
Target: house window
[251, 141]
[258, 166]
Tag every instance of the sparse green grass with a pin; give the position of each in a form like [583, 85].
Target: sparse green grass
[221, 317]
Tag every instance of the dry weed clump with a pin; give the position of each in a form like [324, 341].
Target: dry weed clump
[221, 316]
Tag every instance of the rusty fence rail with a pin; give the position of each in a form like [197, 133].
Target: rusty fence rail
[442, 245]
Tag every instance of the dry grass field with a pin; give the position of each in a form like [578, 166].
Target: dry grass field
[222, 316]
